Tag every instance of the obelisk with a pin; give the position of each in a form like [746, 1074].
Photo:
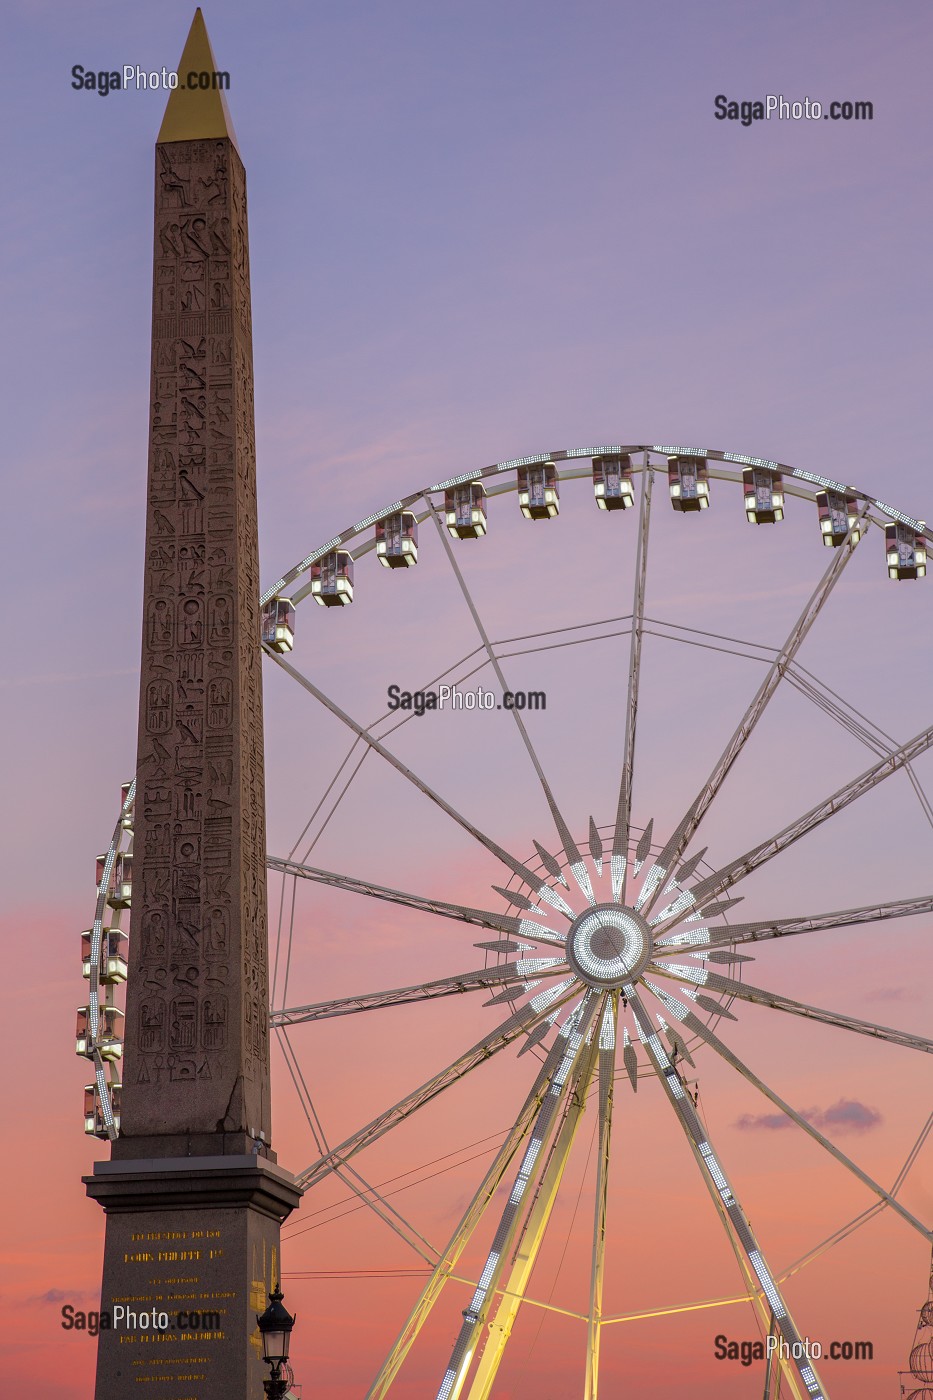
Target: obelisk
[192, 1193]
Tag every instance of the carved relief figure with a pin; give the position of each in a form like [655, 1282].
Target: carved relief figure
[220, 630]
[152, 1024]
[191, 622]
[160, 624]
[184, 1023]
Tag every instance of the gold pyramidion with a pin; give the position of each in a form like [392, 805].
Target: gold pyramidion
[200, 112]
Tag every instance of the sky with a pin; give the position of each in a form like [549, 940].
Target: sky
[480, 231]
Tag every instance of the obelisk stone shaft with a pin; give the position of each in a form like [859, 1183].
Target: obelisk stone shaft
[197, 1059]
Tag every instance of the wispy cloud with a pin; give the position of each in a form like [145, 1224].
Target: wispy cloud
[53, 1297]
[842, 1117]
[893, 994]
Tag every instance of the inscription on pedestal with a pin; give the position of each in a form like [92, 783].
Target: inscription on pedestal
[171, 1266]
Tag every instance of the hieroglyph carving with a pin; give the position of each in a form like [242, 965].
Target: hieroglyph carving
[198, 993]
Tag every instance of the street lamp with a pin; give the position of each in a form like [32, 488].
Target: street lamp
[275, 1328]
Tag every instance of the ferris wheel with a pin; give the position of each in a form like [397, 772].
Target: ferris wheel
[606, 945]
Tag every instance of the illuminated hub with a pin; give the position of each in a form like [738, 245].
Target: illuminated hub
[608, 946]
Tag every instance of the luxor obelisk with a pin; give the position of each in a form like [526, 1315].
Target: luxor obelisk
[192, 1193]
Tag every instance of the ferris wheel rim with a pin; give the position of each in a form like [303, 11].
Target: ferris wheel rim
[805, 485]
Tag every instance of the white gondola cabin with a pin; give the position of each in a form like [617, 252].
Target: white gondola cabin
[112, 955]
[126, 820]
[465, 510]
[278, 625]
[109, 1033]
[838, 514]
[120, 888]
[612, 482]
[688, 481]
[538, 491]
[95, 1124]
[906, 550]
[332, 579]
[397, 540]
[764, 495]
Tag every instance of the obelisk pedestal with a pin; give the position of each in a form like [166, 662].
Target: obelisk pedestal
[193, 1196]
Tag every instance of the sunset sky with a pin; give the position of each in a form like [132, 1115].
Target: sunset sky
[480, 231]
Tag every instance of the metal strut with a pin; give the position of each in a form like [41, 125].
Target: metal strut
[574, 1038]
[686, 830]
[620, 838]
[715, 1176]
[533, 1231]
[519, 1132]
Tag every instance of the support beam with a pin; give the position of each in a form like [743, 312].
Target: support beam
[620, 839]
[716, 1179]
[533, 1231]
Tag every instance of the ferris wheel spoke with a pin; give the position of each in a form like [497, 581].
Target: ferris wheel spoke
[620, 840]
[694, 1023]
[607, 1063]
[541, 1007]
[481, 1201]
[729, 875]
[368, 1194]
[523, 873]
[525, 1252]
[755, 1267]
[457, 983]
[571, 1076]
[715, 982]
[686, 830]
[482, 918]
[784, 928]
[574, 859]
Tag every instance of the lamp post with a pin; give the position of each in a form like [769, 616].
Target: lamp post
[275, 1327]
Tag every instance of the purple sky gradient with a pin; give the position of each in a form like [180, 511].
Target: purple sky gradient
[478, 231]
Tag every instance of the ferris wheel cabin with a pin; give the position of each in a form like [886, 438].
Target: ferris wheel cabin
[332, 579]
[120, 888]
[764, 495]
[838, 515]
[397, 540]
[688, 481]
[538, 491]
[465, 511]
[612, 482]
[278, 625]
[95, 1124]
[112, 955]
[906, 551]
[109, 1043]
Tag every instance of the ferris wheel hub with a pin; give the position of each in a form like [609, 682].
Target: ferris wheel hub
[609, 945]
